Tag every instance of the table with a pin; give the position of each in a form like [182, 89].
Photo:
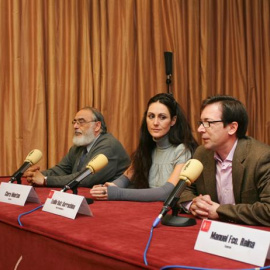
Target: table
[114, 238]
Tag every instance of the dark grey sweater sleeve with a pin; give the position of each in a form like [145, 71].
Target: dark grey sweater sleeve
[122, 181]
[140, 195]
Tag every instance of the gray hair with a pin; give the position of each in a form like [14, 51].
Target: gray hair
[97, 117]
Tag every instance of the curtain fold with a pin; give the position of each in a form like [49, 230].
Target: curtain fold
[59, 56]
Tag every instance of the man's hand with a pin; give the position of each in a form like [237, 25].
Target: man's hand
[203, 207]
[212, 213]
[34, 176]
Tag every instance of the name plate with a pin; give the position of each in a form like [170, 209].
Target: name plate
[17, 194]
[66, 204]
[235, 242]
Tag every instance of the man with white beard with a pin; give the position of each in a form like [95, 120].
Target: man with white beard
[90, 139]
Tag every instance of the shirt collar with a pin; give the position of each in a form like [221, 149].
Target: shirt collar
[229, 157]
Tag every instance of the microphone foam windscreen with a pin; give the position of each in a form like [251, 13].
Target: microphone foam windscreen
[97, 163]
[192, 169]
[34, 156]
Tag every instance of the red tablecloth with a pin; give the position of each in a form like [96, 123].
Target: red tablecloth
[114, 238]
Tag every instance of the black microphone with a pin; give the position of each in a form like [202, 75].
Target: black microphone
[189, 173]
[168, 63]
[94, 165]
[32, 158]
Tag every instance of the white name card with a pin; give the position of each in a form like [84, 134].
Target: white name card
[66, 204]
[232, 241]
[17, 194]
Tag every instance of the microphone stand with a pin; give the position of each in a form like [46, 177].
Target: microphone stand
[168, 82]
[13, 179]
[74, 188]
[168, 67]
[75, 191]
[177, 221]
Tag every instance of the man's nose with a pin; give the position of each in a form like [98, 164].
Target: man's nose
[201, 128]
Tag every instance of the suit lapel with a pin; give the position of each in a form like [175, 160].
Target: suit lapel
[238, 168]
[209, 175]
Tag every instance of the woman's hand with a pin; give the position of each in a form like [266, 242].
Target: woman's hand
[100, 192]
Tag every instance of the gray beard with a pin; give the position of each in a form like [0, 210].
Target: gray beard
[84, 139]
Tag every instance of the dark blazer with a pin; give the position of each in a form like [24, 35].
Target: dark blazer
[66, 169]
[251, 183]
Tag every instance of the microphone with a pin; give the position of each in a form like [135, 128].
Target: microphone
[189, 173]
[32, 158]
[95, 164]
[168, 66]
[168, 63]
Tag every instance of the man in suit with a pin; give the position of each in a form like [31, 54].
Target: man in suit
[235, 183]
[90, 139]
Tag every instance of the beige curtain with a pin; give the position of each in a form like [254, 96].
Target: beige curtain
[57, 56]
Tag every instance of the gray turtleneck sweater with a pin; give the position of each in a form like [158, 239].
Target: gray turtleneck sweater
[164, 158]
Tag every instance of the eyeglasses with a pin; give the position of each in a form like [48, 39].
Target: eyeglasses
[206, 124]
[81, 122]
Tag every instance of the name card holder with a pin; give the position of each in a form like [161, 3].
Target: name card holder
[17, 194]
[234, 241]
[66, 204]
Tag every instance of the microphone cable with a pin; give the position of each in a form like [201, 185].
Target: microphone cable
[26, 213]
[147, 246]
[156, 222]
[200, 268]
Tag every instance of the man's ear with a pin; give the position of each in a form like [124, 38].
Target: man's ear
[97, 127]
[233, 128]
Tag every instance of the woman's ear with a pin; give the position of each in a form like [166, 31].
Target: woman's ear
[173, 120]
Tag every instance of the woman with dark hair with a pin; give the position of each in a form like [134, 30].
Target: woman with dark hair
[165, 145]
